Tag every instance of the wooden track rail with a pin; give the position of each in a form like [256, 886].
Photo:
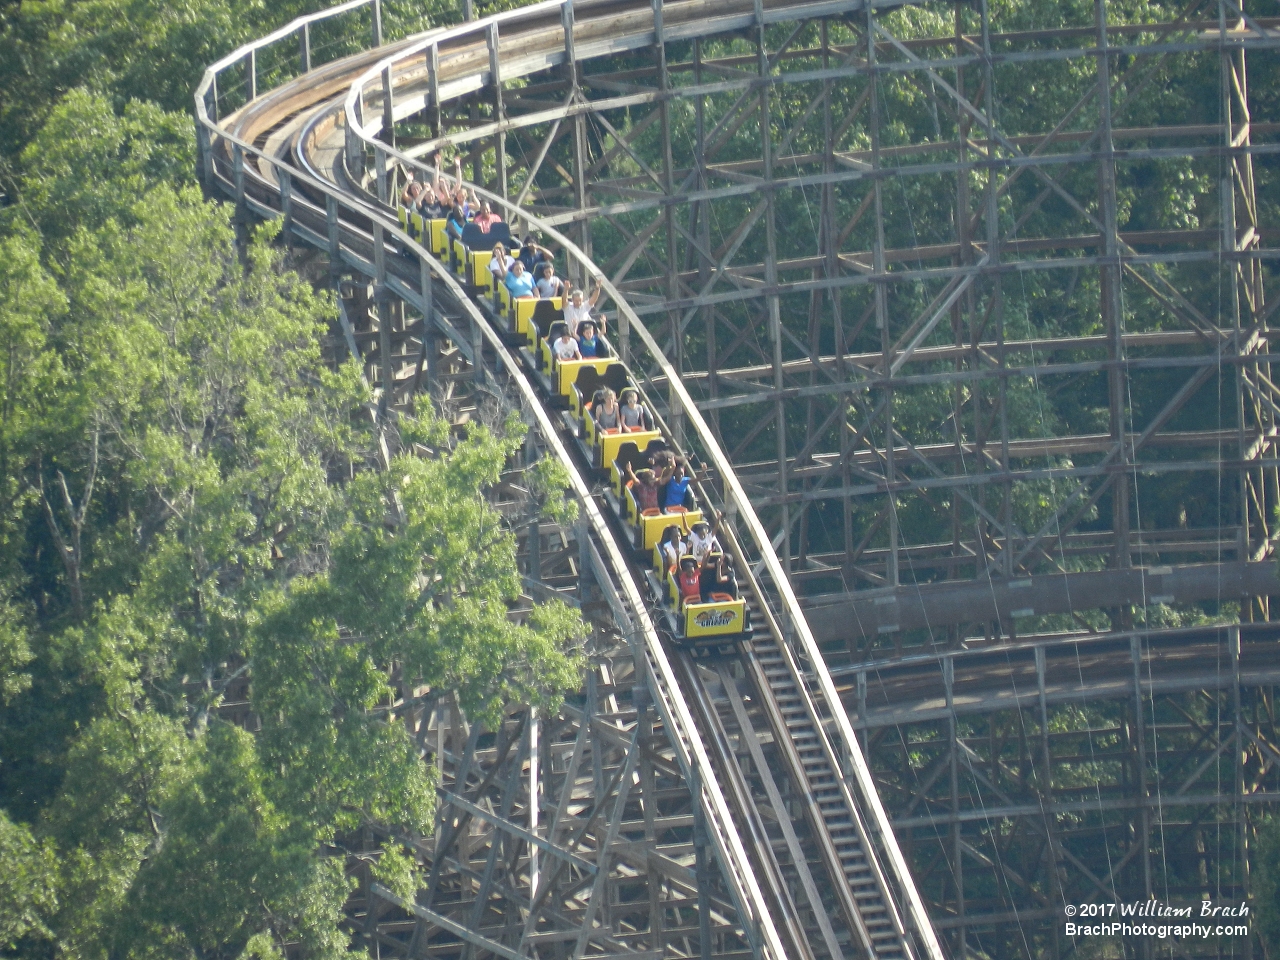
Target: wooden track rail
[296, 151]
[357, 235]
[769, 749]
[882, 911]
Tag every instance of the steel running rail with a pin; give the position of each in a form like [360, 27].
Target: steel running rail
[303, 218]
[859, 842]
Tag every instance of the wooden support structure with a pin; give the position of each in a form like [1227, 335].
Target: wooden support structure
[877, 265]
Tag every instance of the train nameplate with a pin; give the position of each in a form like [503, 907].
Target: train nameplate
[715, 618]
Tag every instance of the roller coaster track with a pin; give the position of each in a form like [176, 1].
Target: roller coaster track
[294, 152]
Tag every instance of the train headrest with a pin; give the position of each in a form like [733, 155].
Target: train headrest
[615, 377]
[589, 382]
[500, 233]
[553, 334]
[473, 238]
[546, 316]
[628, 452]
[656, 444]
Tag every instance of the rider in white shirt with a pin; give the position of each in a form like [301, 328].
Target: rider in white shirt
[566, 348]
[702, 539]
[579, 307]
[548, 284]
[501, 263]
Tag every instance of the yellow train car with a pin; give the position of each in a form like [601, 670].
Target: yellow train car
[439, 239]
[719, 618]
[724, 617]
[721, 615]
[529, 312]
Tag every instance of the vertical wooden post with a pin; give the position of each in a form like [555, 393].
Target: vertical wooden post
[380, 174]
[204, 144]
[426, 356]
[381, 299]
[499, 108]
[880, 278]
[1240, 808]
[674, 316]
[1143, 840]
[534, 796]
[354, 145]
[701, 873]
[331, 224]
[237, 168]
[477, 351]
[1112, 308]
[433, 79]
[953, 768]
[388, 108]
[773, 306]
[579, 126]
[286, 203]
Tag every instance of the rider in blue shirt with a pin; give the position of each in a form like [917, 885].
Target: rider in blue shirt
[588, 342]
[519, 283]
[673, 493]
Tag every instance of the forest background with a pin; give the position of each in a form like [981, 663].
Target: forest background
[190, 497]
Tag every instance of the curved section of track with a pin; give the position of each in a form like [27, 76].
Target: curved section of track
[274, 157]
[294, 152]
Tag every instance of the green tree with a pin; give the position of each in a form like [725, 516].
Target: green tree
[88, 163]
[1266, 885]
[197, 502]
[28, 885]
[234, 865]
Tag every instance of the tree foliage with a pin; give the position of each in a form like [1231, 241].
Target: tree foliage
[28, 884]
[193, 506]
[1266, 885]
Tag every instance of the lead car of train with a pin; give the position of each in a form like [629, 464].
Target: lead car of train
[532, 326]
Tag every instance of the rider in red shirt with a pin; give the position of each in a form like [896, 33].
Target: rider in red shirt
[689, 581]
[645, 486]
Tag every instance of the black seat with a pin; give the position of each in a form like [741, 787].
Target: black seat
[545, 314]
[546, 320]
[707, 581]
[616, 378]
[589, 383]
[655, 445]
[499, 233]
[629, 453]
[473, 238]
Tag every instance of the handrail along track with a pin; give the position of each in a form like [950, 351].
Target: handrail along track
[359, 241]
[877, 894]
[876, 877]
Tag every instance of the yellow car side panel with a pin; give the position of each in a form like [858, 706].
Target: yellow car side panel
[568, 372]
[524, 316]
[713, 619]
[439, 239]
[610, 442]
[652, 527]
[480, 275]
